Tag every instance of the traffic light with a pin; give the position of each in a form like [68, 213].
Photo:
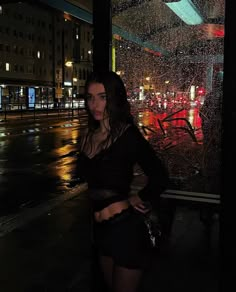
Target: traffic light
[201, 91]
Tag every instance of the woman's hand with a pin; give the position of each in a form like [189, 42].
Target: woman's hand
[139, 205]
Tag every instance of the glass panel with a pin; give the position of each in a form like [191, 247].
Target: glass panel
[173, 71]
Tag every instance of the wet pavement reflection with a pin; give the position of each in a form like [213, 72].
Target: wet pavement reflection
[33, 166]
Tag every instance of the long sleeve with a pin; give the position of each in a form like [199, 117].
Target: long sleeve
[154, 169]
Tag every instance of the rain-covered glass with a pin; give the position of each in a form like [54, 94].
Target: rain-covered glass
[173, 71]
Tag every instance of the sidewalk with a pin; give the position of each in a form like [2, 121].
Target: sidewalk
[52, 253]
[38, 114]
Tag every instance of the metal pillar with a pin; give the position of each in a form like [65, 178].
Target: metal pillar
[102, 42]
[209, 67]
[227, 234]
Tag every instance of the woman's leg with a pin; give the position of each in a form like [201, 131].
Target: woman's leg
[107, 264]
[119, 279]
[125, 280]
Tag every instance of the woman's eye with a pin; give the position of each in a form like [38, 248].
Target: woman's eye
[104, 96]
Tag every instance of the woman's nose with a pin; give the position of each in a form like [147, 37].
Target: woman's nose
[94, 102]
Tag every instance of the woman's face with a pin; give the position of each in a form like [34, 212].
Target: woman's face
[96, 100]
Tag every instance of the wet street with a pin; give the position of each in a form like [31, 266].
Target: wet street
[38, 158]
[34, 165]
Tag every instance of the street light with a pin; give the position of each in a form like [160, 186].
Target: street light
[73, 83]
[69, 64]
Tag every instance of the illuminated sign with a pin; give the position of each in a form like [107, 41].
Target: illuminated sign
[31, 97]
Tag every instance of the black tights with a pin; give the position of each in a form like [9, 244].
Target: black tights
[119, 279]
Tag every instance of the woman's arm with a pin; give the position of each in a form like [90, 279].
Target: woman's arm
[154, 169]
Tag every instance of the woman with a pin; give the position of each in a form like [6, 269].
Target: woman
[110, 148]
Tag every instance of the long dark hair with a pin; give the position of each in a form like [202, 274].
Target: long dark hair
[117, 106]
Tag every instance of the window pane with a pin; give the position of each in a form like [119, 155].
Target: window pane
[173, 71]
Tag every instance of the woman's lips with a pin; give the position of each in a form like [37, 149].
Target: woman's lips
[97, 113]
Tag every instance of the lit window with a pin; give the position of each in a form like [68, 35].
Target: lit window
[7, 67]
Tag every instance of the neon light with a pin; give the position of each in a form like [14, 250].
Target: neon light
[186, 10]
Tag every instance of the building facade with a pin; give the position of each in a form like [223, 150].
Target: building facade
[46, 56]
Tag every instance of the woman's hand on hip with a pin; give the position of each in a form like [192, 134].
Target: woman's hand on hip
[139, 204]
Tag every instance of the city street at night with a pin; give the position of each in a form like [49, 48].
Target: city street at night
[172, 60]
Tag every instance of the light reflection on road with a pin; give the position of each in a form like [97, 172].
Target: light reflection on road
[150, 118]
[32, 167]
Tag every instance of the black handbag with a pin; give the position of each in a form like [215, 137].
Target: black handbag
[152, 223]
